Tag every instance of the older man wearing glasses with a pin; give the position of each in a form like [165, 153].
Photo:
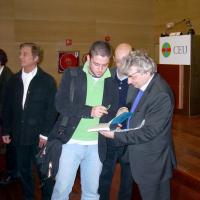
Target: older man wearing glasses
[149, 139]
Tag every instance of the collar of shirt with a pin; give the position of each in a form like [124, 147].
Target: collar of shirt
[144, 87]
[26, 78]
[107, 73]
[1, 69]
[30, 75]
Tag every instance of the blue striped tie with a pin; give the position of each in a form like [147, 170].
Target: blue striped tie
[134, 105]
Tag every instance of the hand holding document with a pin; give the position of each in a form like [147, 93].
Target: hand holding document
[113, 124]
[111, 133]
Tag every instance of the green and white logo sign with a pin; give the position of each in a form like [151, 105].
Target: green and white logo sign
[166, 49]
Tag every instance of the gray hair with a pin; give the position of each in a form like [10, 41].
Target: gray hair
[141, 61]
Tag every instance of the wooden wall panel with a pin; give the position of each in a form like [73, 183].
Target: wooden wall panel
[7, 36]
[50, 23]
[129, 21]
[61, 10]
[6, 22]
[6, 9]
[6, 31]
[133, 34]
[54, 31]
[128, 12]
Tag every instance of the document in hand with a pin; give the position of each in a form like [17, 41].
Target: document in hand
[111, 125]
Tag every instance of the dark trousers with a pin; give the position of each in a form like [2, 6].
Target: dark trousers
[155, 192]
[114, 154]
[25, 161]
[10, 155]
[11, 162]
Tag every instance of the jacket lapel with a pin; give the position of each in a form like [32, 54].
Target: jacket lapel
[146, 92]
[3, 75]
[132, 93]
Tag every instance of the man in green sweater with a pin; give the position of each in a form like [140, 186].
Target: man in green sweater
[95, 92]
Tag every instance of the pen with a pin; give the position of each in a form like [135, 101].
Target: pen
[108, 107]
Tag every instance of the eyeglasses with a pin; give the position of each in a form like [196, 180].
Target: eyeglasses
[99, 65]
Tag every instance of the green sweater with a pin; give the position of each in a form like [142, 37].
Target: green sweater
[95, 89]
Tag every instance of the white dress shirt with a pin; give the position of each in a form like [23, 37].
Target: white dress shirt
[1, 69]
[27, 78]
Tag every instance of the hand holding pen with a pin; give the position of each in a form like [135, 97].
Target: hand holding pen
[99, 111]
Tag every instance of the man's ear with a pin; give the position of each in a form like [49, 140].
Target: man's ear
[113, 58]
[36, 59]
[88, 58]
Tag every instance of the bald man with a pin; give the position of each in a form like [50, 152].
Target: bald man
[115, 153]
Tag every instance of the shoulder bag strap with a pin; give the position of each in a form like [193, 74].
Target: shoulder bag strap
[73, 73]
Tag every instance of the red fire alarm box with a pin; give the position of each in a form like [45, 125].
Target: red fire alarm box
[68, 42]
[67, 59]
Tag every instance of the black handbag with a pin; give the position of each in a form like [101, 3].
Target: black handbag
[48, 159]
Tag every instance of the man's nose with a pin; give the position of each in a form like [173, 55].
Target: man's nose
[100, 68]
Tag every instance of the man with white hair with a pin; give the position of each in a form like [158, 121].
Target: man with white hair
[115, 153]
[149, 139]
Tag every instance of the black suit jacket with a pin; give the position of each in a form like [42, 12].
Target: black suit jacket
[150, 149]
[5, 75]
[38, 115]
[78, 109]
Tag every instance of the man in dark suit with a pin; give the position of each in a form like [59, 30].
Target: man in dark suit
[95, 100]
[115, 153]
[5, 74]
[149, 139]
[29, 112]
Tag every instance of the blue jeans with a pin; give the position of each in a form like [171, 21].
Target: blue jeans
[72, 156]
